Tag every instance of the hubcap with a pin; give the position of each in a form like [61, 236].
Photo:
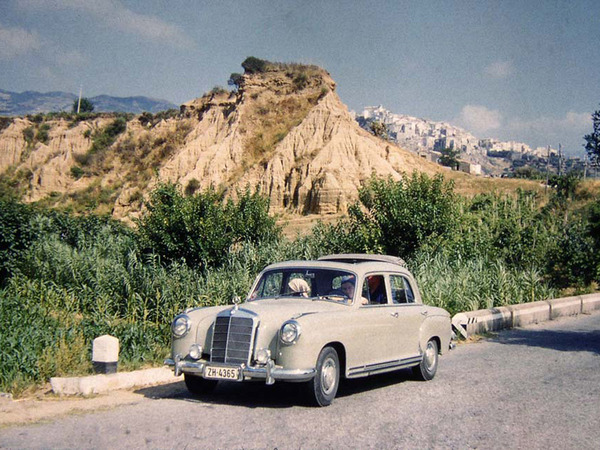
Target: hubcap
[430, 356]
[328, 376]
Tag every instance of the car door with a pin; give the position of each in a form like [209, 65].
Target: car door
[373, 342]
[408, 314]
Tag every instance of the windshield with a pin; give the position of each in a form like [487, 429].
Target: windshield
[310, 283]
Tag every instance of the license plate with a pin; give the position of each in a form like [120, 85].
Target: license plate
[222, 373]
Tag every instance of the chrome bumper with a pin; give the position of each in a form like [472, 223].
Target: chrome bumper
[268, 372]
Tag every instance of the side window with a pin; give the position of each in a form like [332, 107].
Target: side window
[401, 290]
[410, 296]
[374, 290]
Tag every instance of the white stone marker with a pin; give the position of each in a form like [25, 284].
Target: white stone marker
[105, 354]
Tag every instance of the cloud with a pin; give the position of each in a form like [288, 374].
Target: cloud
[116, 16]
[479, 120]
[567, 130]
[67, 58]
[571, 122]
[16, 42]
[499, 69]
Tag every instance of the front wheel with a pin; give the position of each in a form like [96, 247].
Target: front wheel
[323, 387]
[198, 385]
[428, 367]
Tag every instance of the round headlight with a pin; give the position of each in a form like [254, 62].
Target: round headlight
[195, 351]
[290, 332]
[180, 326]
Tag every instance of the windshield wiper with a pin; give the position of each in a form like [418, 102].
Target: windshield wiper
[335, 297]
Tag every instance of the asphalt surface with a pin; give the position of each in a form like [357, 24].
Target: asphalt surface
[535, 387]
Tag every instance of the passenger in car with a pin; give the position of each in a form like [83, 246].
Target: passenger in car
[377, 293]
[299, 287]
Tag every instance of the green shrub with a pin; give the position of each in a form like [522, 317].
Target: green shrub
[235, 79]
[28, 135]
[254, 65]
[301, 81]
[192, 186]
[15, 235]
[458, 284]
[201, 228]
[399, 217]
[573, 260]
[102, 139]
[5, 122]
[42, 133]
[216, 90]
[77, 172]
[516, 230]
[83, 106]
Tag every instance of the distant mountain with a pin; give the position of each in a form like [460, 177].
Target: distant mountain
[31, 102]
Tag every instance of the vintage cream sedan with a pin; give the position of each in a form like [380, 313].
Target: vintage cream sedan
[315, 322]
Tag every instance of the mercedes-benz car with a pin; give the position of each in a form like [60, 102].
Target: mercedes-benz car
[314, 322]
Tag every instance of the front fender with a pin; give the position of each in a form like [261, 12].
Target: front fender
[317, 332]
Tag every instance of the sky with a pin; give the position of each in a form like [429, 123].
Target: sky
[527, 71]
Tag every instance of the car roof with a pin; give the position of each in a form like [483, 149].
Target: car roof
[355, 258]
[358, 263]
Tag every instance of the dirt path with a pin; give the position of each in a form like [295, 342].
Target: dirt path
[43, 405]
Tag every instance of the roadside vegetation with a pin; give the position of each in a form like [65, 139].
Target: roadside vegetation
[66, 279]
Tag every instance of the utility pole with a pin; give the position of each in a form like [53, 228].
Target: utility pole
[547, 170]
[79, 102]
[560, 160]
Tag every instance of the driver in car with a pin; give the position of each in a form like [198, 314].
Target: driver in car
[347, 286]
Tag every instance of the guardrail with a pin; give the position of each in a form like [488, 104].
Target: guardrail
[494, 319]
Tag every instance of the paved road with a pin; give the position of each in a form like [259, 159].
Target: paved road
[536, 387]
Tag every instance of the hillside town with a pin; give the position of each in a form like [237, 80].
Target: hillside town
[476, 156]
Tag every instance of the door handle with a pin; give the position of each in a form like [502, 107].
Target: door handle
[394, 315]
[424, 313]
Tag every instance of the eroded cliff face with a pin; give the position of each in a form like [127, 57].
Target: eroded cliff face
[285, 131]
[45, 166]
[316, 167]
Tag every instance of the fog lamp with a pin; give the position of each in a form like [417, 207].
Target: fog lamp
[263, 355]
[195, 351]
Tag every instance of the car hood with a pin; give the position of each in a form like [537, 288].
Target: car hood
[272, 313]
[282, 309]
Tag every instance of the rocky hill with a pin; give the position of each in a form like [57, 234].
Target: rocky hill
[31, 102]
[283, 130]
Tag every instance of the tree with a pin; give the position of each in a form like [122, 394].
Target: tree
[254, 65]
[399, 217]
[86, 105]
[592, 140]
[202, 227]
[379, 129]
[235, 79]
[449, 157]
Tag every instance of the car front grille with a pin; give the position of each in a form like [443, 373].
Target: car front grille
[232, 339]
